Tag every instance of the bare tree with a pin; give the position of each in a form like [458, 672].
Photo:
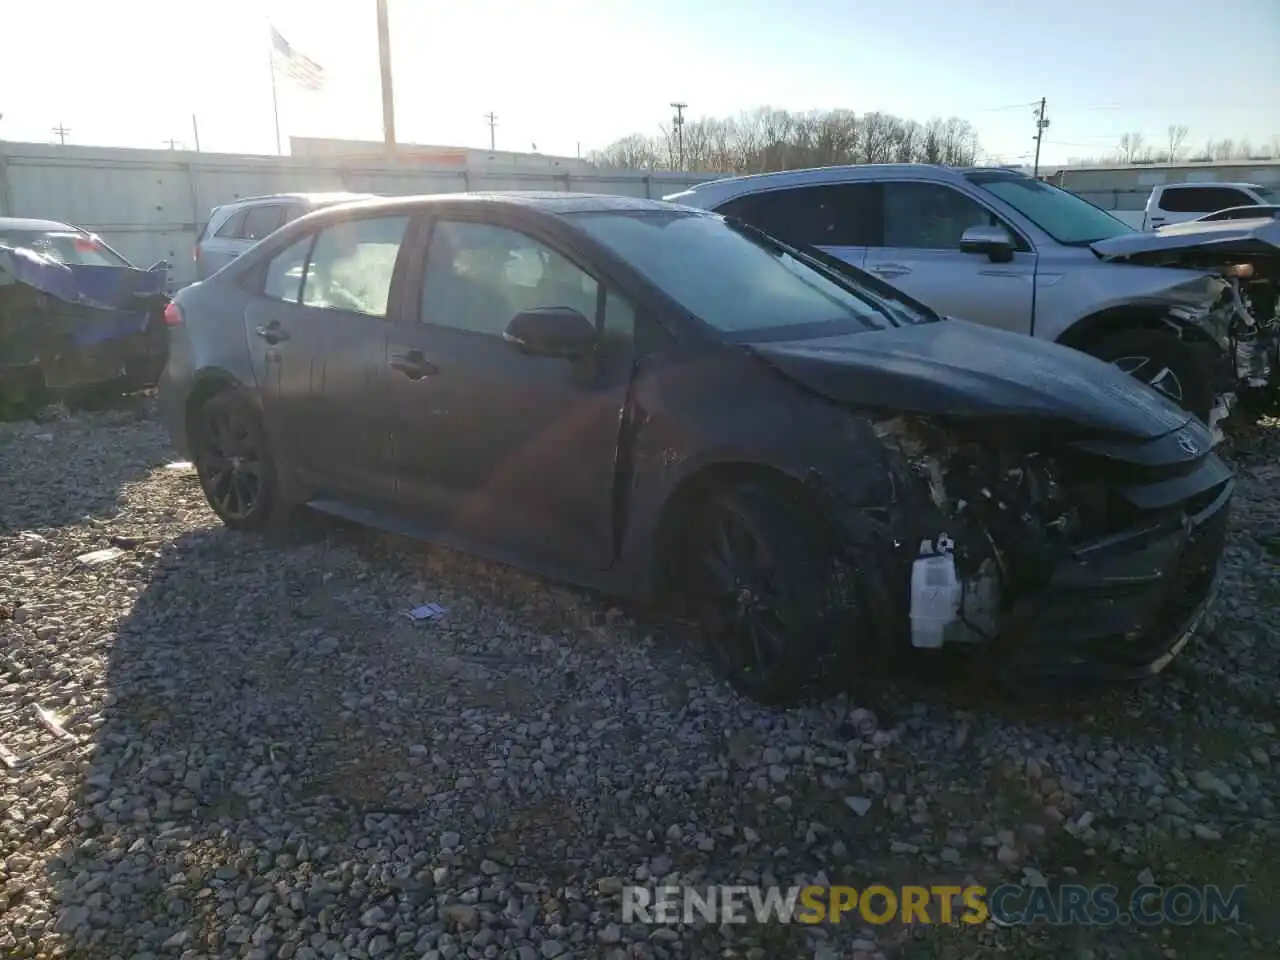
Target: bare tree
[1177, 137]
[768, 138]
[1130, 147]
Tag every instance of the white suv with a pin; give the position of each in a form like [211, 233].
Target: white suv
[235, 227]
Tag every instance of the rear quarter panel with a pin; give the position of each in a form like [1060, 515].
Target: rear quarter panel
[209, 346]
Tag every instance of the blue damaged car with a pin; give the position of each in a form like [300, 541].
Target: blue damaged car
[74, 314]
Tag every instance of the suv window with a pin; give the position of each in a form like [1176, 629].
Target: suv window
[479, 276]
[232, 228]
[261, 220]
[930, 216]
[284, 272]
[1202, 199]
[352, 263]
[832, 215]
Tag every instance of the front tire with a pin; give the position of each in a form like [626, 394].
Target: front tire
[234, 462]
[1162, 361]
[756, 573]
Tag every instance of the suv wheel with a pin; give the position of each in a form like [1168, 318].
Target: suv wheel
[1162, 361]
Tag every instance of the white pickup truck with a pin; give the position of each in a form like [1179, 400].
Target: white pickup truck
[1179, 202]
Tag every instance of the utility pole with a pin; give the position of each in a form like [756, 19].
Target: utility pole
[173, 144]
[678, 122]
[384, 61]
[1042, 124]
[493, 122]
[195, 131]
[62, 132]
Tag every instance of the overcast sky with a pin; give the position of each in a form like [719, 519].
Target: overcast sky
[564, 73]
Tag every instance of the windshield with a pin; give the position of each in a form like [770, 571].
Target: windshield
[1062, 215]
[733, 281]
[1267, 194]
[65, 246]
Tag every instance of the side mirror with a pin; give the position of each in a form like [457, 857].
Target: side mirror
[993, 242]
[551, 332]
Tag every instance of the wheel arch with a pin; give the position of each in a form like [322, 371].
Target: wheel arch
[206, 385]
[1097, 326]
[690, 490]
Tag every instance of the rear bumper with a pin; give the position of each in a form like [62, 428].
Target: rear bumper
[1121, 608]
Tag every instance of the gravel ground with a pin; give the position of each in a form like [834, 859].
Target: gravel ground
[272, 761]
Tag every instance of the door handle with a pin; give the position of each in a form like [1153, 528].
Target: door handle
[890, 269]
[413, 365]
[273, 333]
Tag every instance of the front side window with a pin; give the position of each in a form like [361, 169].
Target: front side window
[740, 285]
[352, 264]
[1065, 217]
[929, 216]
[479, 276]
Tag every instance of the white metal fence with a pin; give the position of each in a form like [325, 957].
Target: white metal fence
[151, 204]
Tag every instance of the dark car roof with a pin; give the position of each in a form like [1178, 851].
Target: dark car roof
[552, 202]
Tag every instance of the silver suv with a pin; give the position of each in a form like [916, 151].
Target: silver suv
[997, 247]
[235, 227]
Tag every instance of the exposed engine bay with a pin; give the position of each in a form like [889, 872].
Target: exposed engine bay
[1005, 522]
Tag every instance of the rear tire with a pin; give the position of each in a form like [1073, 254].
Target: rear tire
[1162, 361]
[756, 574]
[233, 459]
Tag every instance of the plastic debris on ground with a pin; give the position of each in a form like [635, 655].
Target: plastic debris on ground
[428, 611]
[180, 466]
[96, 557]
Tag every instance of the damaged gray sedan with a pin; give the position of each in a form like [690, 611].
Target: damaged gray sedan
[657, 402]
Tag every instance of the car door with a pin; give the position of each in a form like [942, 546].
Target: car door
[918, 251]
[841, 218]
[504, 452]
[319, 336]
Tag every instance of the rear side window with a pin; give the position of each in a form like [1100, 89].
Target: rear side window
[1202, 199]
[834, 215]
[261, 221]
[233, 228]
[285, 272]
[352, 265]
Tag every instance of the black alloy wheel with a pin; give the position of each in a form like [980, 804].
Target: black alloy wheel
[233, 461]
[1163, 362]
[755, 581]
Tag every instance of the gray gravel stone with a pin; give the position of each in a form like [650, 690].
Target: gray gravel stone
[272, 761]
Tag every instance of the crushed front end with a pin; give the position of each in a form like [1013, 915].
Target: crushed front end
[68, 325]
[1062, 555]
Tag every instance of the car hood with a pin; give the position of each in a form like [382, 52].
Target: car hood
[962, 369]
[1195, 243]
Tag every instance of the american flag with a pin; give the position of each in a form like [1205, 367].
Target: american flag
[305, 71]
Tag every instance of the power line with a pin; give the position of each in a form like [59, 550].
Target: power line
[493, 122]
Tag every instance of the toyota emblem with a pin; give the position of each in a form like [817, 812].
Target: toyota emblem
[1188, 445]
